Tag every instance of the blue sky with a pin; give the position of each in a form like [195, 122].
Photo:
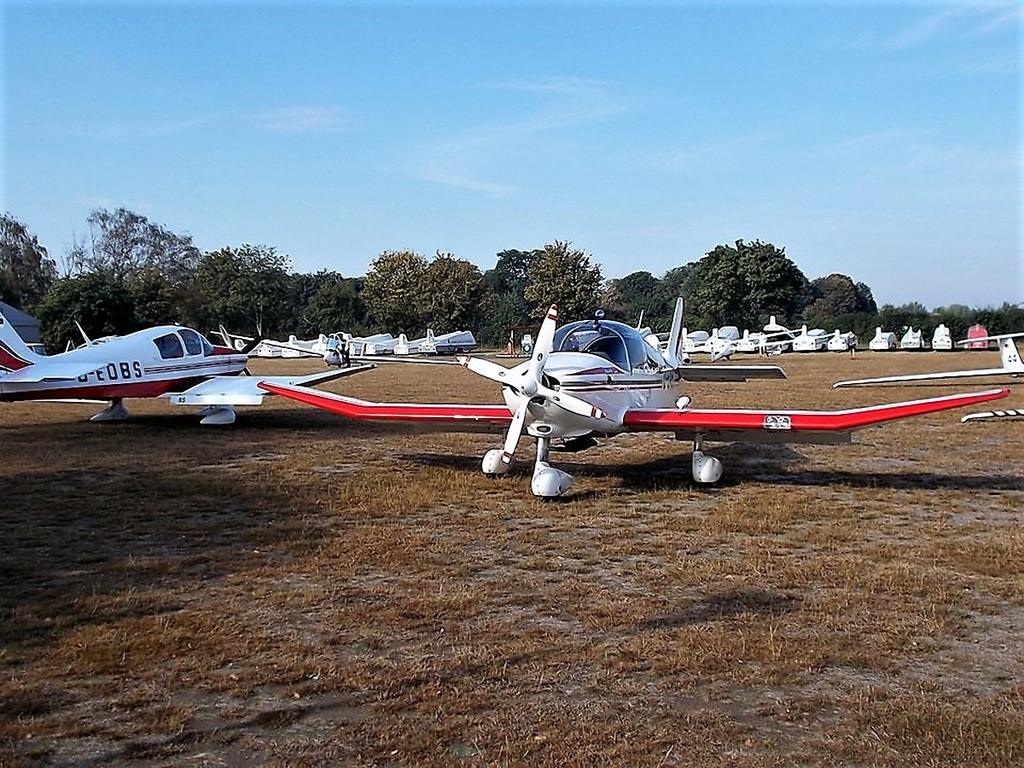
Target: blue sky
[879, 140]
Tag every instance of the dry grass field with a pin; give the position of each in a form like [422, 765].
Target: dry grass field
[301, 590]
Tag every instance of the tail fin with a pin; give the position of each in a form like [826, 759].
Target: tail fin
[236, 342]
[1010, 354]
[14, 352]
[430, 336]
[674, 353]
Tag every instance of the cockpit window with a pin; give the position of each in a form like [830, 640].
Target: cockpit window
[169, 346]
[601, 339]
[619, 344]
[193, 345]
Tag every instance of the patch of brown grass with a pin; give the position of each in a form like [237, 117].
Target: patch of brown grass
[301, 590]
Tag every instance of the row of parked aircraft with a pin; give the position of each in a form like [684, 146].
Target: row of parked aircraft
[586, 380]
[772, 340]
[886, 341]
[775, 338]
[334, 346]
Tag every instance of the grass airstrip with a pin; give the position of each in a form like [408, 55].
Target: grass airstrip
[297, 589]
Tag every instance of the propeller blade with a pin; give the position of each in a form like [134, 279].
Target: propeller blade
[571, 403]
[515, 431]
[542, 347]
[487, 369]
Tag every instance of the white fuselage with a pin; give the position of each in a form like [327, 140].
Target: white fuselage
[147, 363]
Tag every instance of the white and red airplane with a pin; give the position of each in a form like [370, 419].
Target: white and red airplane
[172, 362]
[597, 379]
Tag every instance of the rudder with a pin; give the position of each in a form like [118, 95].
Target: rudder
[14, 352]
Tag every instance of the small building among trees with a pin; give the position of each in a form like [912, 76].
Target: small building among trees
[26, 326]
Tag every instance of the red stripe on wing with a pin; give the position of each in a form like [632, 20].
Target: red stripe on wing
[822, 421]
[367, 411]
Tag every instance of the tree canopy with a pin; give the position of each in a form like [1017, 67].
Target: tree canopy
[26, 270]
[566, 277]
[132, 273]
[746, 283]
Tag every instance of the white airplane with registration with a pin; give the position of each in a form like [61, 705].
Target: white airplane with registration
[171, 362]
[1008, 353]
[597, 378]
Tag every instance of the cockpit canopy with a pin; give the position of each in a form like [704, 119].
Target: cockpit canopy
[184, 342]
[618, 343]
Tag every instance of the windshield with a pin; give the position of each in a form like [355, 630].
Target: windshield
[617, 343]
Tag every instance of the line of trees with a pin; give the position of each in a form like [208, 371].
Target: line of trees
[129, 273]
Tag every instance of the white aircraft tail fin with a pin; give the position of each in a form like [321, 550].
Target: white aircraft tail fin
[674, 351]
[1010, 354]
[234, 341]
[431, 339]
[14, 352]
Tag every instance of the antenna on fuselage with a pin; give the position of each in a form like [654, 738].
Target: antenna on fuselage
[88, 341]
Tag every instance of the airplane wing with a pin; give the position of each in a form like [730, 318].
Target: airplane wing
[34, 374]
[928, 377]
[730, 425]
[1009, 413]
[303, 351]
[410, 359]
[452, 416]
[248, 390]
[722, 373]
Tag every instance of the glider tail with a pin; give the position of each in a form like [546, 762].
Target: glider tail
[1010, 355]
[14, 352]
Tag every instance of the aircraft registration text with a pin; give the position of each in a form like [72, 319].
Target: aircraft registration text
[119, 371]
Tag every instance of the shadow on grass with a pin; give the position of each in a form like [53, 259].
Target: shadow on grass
[114, 540]
[743, 464]
[726, 605]
[217, 736]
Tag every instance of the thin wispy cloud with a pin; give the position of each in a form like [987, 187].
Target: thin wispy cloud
[560, 104]
[958, 22]
[925, 29]
[303, 120]
[137, 128]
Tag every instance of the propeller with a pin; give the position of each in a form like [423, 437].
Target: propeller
[529, 384]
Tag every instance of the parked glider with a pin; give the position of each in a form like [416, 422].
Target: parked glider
[1008, 352]
[172, 362]
[596, 378]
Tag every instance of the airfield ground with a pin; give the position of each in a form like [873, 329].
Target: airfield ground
[301, 590]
